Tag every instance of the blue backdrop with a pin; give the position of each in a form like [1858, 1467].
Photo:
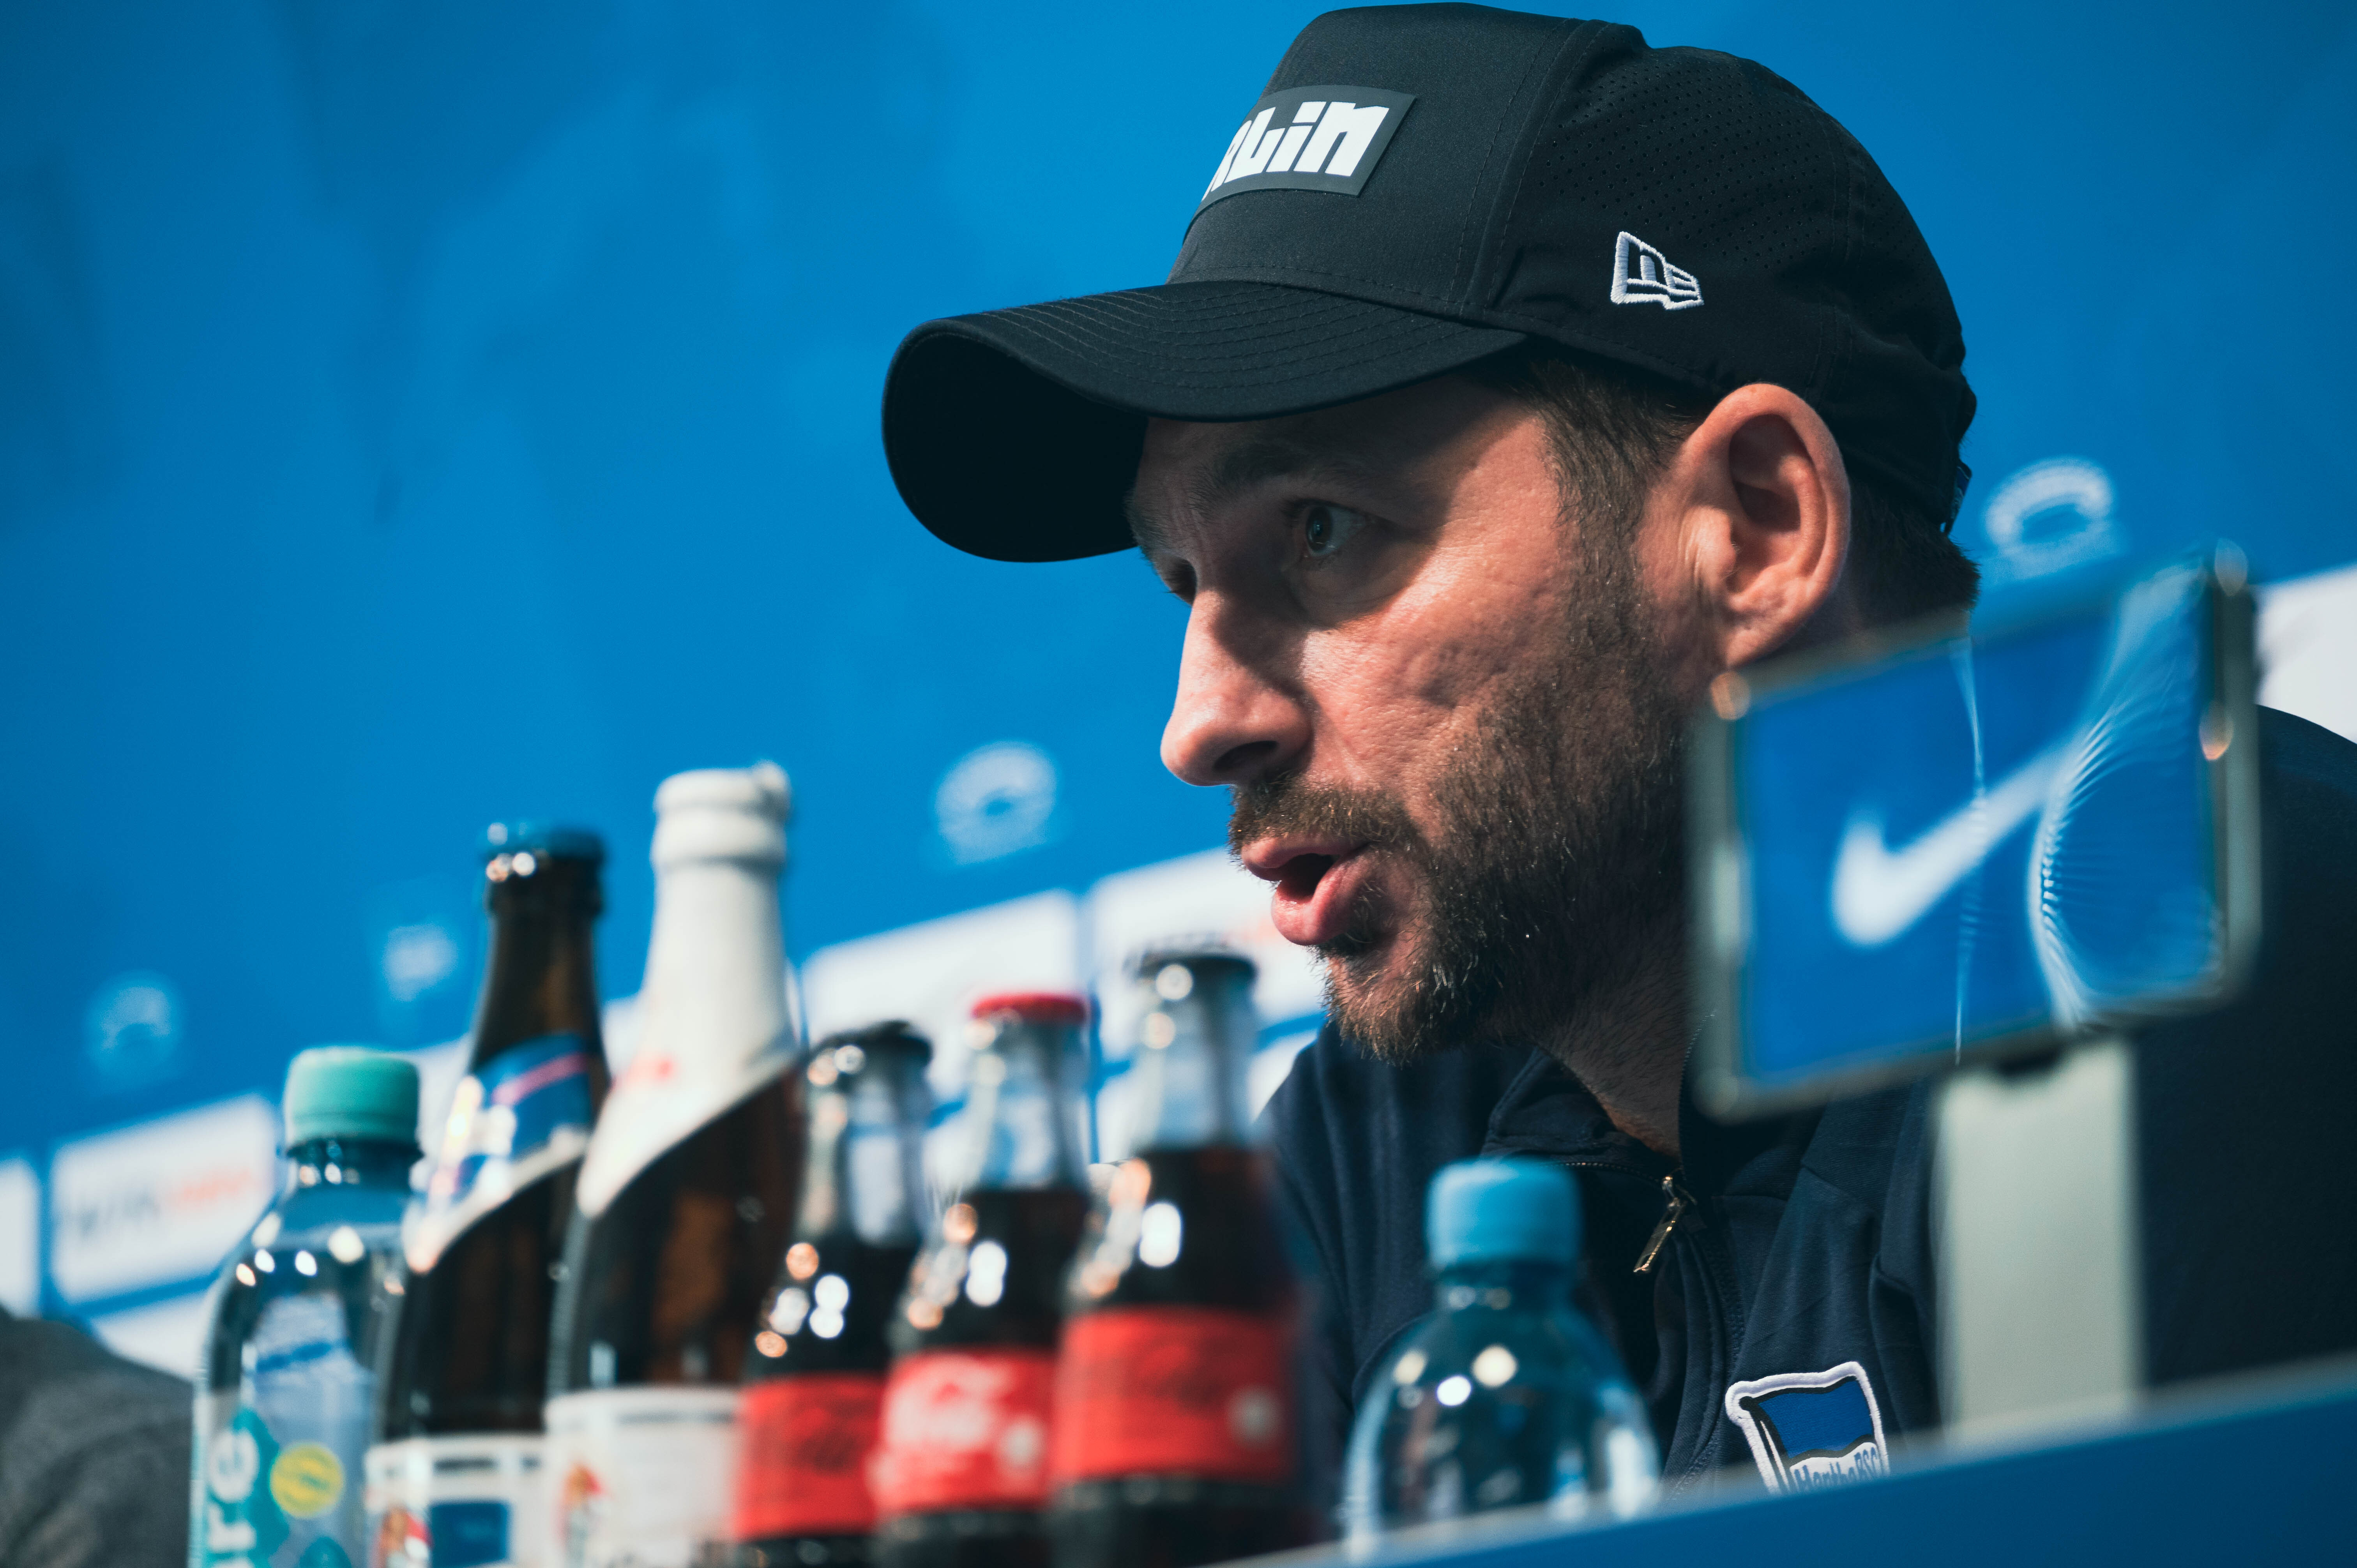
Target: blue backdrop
[415, 414]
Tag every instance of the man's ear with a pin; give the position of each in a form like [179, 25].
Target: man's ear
[1761, 502]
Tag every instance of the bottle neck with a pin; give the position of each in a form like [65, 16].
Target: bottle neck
[716, 985]
[1189, 1076]
[1503, 1285]
[1016, 1106]
[541, 977]
[379, 1164]
[864, 1170]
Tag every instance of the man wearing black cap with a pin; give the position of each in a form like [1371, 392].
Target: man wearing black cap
[1514, 380]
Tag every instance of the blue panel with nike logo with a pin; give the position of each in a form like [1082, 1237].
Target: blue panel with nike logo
[1980, 842]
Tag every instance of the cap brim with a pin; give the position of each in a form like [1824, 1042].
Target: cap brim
[1015, 435]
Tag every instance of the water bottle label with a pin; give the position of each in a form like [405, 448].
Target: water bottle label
[238, 1521]
[525, 1114]
[456, 1502]
[804, 1465]
[641, 1476]
[1182, 1391]
[965, 1429]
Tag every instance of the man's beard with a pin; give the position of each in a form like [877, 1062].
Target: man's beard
[1557, 866]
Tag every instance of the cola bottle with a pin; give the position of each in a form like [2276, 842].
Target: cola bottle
[1174, 1411]
[686, 1195]
[454, 1466]
[961, 1470]
[814, 1385]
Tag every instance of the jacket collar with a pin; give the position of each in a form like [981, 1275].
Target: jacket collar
[1548, 1112]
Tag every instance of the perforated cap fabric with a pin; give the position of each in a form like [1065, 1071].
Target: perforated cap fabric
[1420, 188]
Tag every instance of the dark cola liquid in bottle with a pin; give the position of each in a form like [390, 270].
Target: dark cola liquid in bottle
[454, 1471]
[814, 1386]
[1175, 1441]
[686, 1195]
[960, 1471]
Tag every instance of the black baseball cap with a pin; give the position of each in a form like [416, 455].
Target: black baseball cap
[1421, 188]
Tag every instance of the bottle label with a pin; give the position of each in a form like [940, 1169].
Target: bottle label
[279, 1465]
[641, 1476]
[1164, 1391]
[661, 1097]
[456, 1502]
[965, 1429]
[524, 1114]
[804, 1460]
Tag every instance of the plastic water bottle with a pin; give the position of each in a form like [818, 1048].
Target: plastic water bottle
[284, 1388]
[1506, 1396]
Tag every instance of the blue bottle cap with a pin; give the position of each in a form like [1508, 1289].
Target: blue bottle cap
[351, 1092]
[543, 838]
[1500, 1210]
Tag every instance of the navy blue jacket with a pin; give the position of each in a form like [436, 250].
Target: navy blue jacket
[1805, 1240]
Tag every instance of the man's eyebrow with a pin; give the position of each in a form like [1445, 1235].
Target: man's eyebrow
[1235, 470]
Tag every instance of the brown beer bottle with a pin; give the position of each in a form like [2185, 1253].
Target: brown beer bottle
[814, 1384]
[961, 1472]
[685, 1196]
[454, 1465]
[1174, 1422]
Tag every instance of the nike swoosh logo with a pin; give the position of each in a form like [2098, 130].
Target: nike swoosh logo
[1879, 892]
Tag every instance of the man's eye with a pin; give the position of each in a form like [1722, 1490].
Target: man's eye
[1326, 528]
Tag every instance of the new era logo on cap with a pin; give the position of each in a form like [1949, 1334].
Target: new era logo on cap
[1309, 138]
[1643, 275]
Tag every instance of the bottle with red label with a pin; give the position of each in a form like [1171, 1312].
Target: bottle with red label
[813, 1393]
[685, 1197]
[1174, 1409]
[960, 1469]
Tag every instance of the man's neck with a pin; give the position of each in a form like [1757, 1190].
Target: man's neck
[1626, 1046]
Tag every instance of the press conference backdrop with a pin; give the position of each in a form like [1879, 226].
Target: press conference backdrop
[415, 415]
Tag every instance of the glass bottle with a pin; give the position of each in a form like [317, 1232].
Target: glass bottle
[961, 1472]
[286, 1377]
[1175, 1441]
[1506, 1396]
[686, 1195]
[814, 1385]
[454, 1474]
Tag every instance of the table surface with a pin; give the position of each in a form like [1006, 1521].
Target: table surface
[2258, 1472]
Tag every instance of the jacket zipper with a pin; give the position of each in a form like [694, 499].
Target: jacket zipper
[1676, 1204]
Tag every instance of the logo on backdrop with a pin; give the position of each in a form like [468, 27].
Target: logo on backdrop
[2049, 517]
[1812, 1429]
[996, 800]
[131, 1033]
[1643, 275]
[1309, 138]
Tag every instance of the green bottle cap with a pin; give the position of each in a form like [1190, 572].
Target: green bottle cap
[351, 1092]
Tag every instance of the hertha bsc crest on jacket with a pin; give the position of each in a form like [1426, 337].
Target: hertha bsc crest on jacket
[1812, 1429]
[1309, 138]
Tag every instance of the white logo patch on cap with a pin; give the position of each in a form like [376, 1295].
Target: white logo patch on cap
[1309, 138]
[1643, 275]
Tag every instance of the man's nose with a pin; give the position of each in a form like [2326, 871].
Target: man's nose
[1231, 722]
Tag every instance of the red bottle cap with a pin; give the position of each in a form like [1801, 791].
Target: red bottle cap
[1036, 1007]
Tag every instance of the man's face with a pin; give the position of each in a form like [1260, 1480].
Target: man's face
[1440, 695]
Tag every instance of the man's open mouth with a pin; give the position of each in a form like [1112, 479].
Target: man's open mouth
[1315, 886]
